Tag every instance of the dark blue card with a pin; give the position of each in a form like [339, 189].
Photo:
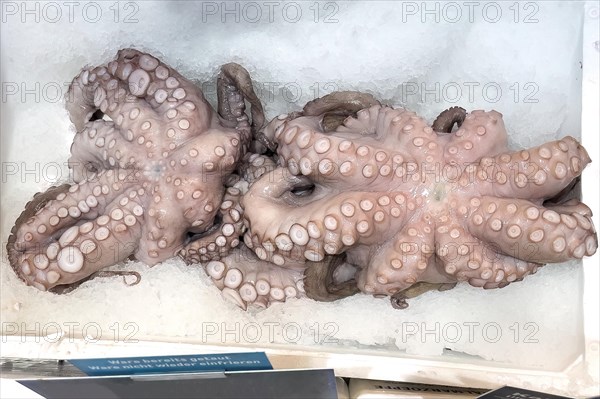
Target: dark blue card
[173, 364]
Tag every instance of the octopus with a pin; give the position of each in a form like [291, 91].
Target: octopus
[246, 279]
[411, 207]
[345, 196]
[150, 159]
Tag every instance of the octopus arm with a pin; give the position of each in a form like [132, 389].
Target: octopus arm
[244, 279]
[134, 89]
[235, 86]
[464, 256]
[218, 241]
[538, 173]
[400, 262]
[67, 248]
[336, 159]
[530, 232]
[99, 146]
[386, 126]
[481, 134]
[76, 202]
[310, 226]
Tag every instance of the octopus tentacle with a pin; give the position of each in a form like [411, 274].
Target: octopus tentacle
[364, 122]
[55, 211]
[481, 134]
[353, 154]
[347, 102]
[319, 282]
[255, 166]
[318, 227]
[527, 231]
[448, 118]
[67, 288]
[569, 192]
[339, 115]
[463, 256]
[100, 146]
[70, 255]
[399, 263]
[122, 273]
[27, 217]
[244, 279]
[382, 126]
[376, 122]
[224, 235]
[218, 241]
[398, 300]
[329, 158]
[235, 85]
[537, 173]
[336, 107]
[135, 90]
[97, 91]
[573, 206]
[408, 131]
[493, 269]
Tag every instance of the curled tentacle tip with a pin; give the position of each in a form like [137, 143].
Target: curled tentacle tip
[448, 118]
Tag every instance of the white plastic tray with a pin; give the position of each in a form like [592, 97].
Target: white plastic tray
[580, 378]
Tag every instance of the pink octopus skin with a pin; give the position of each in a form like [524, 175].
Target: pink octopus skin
[143, 179]
[244, 279]
[408, 204]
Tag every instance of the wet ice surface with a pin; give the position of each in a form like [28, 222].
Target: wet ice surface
[528, 71]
